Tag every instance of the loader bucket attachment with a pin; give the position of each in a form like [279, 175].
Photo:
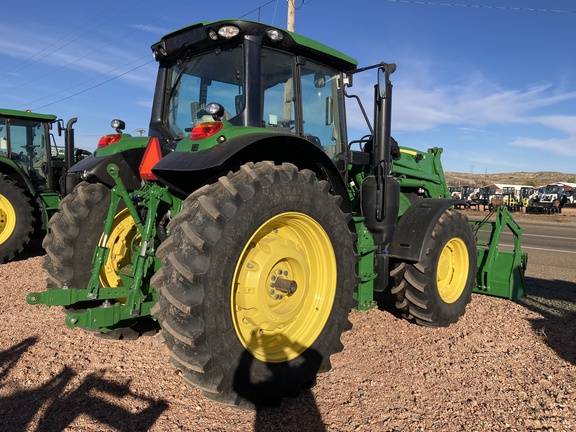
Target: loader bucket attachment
[500, 272]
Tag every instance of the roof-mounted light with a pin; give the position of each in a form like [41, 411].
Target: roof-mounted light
[275, 35]
[215, 109]
[212, 34]
[159, 52]
[228, 31]
[117, 124]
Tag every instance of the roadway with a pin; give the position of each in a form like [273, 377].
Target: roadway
[554, 237]
[551, 248]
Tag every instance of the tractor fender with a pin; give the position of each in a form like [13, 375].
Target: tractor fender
[128, 162]
[11, 169]
[187, 171]
[416, 225]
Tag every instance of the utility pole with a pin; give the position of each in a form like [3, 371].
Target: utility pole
[288, 86]
[291, 15]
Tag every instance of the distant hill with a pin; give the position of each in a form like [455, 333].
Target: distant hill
[519, 178]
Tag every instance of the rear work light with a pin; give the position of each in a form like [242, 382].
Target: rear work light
[151, 157]
[106, 140]
[205, 130]
[228, 31]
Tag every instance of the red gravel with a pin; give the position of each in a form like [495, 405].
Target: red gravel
[504, 366]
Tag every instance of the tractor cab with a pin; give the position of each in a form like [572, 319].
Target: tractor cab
[235, 74]
[28, 146]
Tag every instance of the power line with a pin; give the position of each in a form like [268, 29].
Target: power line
[87, 55]
[52, 44]
[93, 87]
[68, 43]
[476, 6]
[85, 82]
[120, 75]
[302, 3]
[77, 60]
[257, 9]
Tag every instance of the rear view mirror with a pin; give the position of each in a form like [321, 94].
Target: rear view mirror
[319, 80]
[384, 72]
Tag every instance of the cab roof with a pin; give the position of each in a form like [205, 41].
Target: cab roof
[27, 114]
[201, 36]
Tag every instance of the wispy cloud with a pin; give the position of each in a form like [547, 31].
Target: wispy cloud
[89, 55]
[473, 109]
[476, 103]
[161, 31]
[563, 147]
[563, 123]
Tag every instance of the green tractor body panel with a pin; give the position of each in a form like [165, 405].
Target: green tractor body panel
[417, 170]
[50, 201]
[126, 153]
[125, 142]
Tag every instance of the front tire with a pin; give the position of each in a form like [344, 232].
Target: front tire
[435, 291]
[16, 219]
[256, 284]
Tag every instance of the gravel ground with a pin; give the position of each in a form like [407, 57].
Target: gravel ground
[505, 366]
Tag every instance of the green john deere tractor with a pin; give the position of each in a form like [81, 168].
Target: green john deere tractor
[32, 170]
[248, 224]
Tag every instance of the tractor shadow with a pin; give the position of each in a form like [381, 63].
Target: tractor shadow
[32, 250]
[297, 411]
[555, 300]
[54, 406]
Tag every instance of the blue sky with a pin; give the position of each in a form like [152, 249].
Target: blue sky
[493, 82]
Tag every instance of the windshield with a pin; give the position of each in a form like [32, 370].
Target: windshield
[28, 147]
[215, 76]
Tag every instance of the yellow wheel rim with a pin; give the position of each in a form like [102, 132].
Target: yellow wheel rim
[290, 250]
[7, 219]
[122, 241]
[452, 272]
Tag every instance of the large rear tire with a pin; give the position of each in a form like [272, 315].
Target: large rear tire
[435, 291]
[256, 284]
[75, 231]
[16, 219]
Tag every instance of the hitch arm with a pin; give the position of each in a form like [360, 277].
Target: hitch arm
[66, 297]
